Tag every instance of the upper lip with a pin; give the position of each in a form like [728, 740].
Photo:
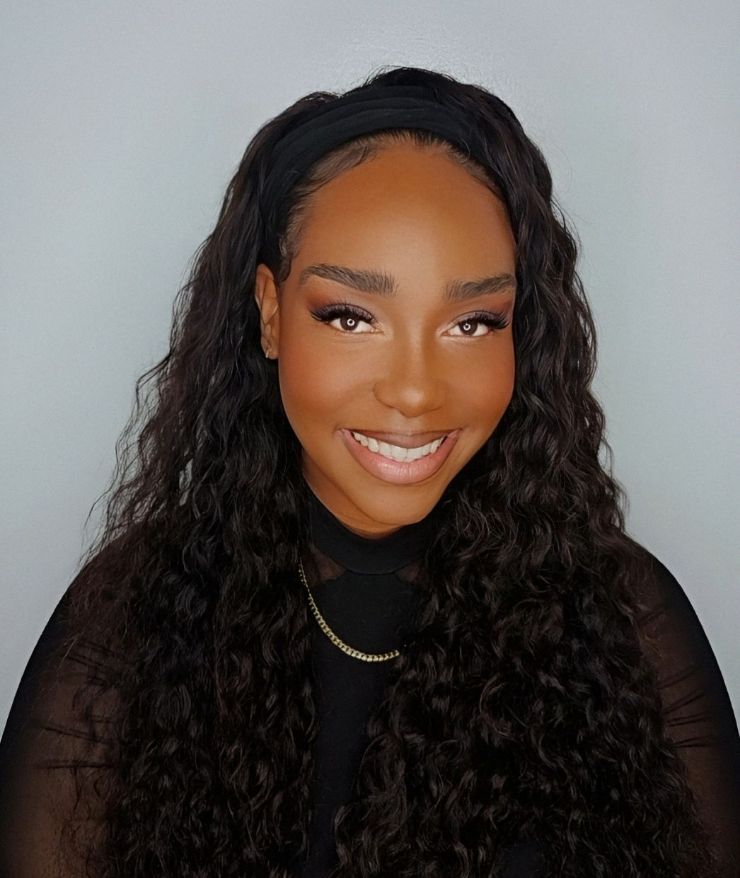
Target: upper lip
[404, 440]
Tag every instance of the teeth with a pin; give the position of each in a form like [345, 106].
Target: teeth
[395, 452]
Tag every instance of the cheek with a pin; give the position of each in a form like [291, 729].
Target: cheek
[314, 385]
[490, 396]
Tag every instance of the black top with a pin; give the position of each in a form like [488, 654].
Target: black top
[366, 591]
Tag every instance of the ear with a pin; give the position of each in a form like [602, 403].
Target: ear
[266, 296]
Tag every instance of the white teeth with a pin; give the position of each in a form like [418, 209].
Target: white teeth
[395, 452]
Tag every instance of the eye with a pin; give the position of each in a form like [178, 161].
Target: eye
[492, 319]
[353, 316]
[343, 311]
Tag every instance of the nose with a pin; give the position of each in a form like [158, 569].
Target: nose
[411, 378]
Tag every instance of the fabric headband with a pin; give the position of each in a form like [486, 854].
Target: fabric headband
[354, 113]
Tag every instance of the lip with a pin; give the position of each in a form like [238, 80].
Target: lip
[395, 471]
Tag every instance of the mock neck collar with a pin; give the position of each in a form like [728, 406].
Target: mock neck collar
[364, 554]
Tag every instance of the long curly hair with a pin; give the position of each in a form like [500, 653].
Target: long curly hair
[523, 708]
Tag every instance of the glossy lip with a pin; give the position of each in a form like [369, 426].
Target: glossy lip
[395, 471]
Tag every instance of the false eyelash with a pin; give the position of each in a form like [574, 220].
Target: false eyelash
[495, 319]
[327, 313]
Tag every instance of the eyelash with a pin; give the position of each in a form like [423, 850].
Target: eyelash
[327, 313]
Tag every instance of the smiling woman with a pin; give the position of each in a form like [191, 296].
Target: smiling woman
[366, 606]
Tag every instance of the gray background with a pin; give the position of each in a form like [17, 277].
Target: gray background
[123, 122]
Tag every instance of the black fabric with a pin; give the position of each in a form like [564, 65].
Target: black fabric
[368, 606]
[367, 591]
[368, 599]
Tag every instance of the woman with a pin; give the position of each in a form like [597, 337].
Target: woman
[366, 606]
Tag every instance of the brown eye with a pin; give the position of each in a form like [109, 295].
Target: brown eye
[493, 320]
[343, 311]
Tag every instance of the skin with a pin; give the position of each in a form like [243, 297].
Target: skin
[420, 217]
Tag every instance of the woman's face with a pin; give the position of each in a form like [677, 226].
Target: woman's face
[400, 240]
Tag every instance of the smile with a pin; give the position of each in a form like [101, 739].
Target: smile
[401, 466]
[397, 452]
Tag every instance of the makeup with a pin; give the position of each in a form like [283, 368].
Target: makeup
[399, 472]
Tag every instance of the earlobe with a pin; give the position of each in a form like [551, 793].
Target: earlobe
[265, 295]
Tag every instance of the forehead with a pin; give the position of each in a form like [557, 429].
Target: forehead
[406, 200]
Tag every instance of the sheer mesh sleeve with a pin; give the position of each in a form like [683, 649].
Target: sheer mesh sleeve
[55, 752]
[698, 712]
[53, 759]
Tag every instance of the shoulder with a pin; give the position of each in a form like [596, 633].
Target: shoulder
[56, 749]
[661, 599]
[76, 666]
[675, 642]
[66, 674]
[698, 715]
[67, 683]
[35, 675]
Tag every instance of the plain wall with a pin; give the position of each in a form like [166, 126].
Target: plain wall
[123, 122]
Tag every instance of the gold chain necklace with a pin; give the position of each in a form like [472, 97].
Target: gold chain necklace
[349, 650]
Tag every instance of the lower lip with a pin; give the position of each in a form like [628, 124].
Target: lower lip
[396, 471]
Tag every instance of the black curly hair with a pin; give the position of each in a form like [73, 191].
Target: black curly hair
[523, 708]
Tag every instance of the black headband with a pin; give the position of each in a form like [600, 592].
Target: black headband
[359, 112]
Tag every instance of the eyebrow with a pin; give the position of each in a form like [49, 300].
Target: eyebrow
[381, 284]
